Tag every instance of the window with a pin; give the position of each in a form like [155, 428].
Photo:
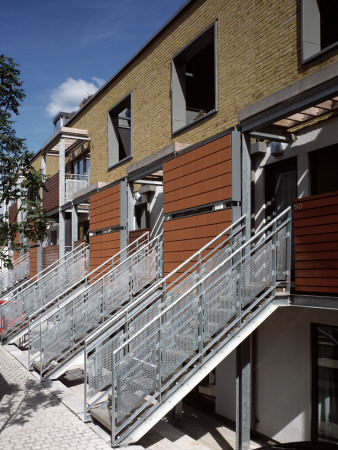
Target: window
[194, 87]
[141, 216]
[81, 166]
[319, 27]
[323, 164]
[325, 386]
[120, 132]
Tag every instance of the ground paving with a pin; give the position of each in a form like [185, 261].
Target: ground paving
[49, 415]
[32, 415]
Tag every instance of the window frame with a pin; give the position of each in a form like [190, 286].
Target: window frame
[110, 149]
[307, 16]
[175, 81]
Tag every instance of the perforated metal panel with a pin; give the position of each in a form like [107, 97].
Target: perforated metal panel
[135, 379]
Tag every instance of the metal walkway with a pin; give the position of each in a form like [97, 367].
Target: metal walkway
[162, 345]
[56, 337]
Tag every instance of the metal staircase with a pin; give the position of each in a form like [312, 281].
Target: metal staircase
[155, 350]
[9, 278]
[56, 337]
[39, 291]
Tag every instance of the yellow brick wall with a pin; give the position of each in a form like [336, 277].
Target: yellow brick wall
[258, 53]
[52, 165]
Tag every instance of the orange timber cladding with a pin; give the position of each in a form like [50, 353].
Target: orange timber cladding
[316, 243]
[196, 178]
[104, 208]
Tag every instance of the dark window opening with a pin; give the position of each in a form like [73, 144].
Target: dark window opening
[324, 164]
[325, 384]
[319, 27]
[119, 132]
[194, 80]
[81, 165]
[141, 216]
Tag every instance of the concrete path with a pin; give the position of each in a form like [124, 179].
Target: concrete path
[33, 417]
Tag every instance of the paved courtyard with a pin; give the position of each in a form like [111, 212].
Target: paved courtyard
[32, 415]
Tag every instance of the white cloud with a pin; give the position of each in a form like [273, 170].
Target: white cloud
[70, 93]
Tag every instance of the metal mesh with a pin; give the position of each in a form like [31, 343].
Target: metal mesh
[256, 273]
[10, 277]
[281, 254]
[45, 289]
[179, 338]
[219, 302]
[135, 379]
[99, 365]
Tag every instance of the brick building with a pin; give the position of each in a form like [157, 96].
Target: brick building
[228, 110]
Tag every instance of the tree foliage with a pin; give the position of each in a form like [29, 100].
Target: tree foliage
[19, 182]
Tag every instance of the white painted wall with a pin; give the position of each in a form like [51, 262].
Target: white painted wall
[283, 372]
[226, 387]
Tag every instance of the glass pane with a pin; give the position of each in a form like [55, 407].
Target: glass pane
[327, 382]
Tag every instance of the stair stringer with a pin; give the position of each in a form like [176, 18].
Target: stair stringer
[195, 376]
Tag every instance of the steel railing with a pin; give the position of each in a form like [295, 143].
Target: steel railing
[41, 289]
[75, 183]
[154, 347]
[59, 333]
[10, 277]
[99, 349]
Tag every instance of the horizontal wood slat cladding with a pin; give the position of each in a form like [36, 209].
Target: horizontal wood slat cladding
[12, 211]
[316, 243]
[198, 177]
[33, 261]
[104, 208]
[183, 237]
[50, 254]
[103, 247]
[51, 197]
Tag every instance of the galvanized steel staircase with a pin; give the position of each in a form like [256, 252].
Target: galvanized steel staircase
[39, 292]
[9, 278]
[56, 337]
[155, 350]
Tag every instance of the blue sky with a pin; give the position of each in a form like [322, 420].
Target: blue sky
[68, 48]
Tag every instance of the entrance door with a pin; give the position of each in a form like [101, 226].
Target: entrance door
[325, 385]
[280, 192]
[281, 186]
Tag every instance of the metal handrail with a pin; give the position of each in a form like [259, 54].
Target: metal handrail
[142, 301]
[15, 312]
[48, 269]
[179, 332]
[92, 299]
[88, 277]
[160, 283]
[10, 277]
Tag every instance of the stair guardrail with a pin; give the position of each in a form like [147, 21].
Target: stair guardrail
[42, 288]
[190, 322]
[57, 334]
[10, 277]
[99, 348]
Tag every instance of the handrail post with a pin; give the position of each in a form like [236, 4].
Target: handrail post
[113, 404]
[200, 291]
[274, 255]
[288, 255]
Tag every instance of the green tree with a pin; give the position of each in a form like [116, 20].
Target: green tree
[19, 181]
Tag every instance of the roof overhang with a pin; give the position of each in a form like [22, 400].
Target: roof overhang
[301, 104]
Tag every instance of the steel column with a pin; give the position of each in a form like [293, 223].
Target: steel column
[243, 395]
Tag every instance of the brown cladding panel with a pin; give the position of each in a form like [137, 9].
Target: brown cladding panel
[50, 254]
[316, 243]
[13, 209]
[183, 237]
[103, 247]
[33, 261]
[104, 208]
[51, 197]
[198, 177]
